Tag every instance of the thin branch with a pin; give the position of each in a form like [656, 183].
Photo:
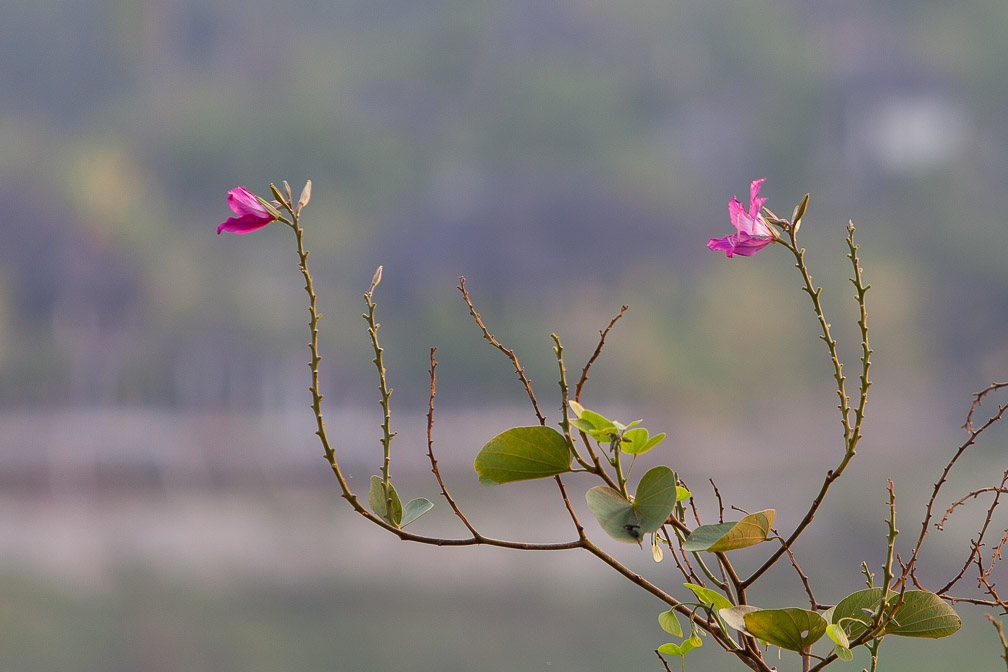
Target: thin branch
[978, 401]
[430, 448]
[510, 353]
[978, 542]
[719, 502]
[598, 351]
[974, 434]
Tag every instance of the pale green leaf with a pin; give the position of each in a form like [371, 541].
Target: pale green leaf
[837, 634]
[615, 514]
[843, 653]
[793, 629]
[709, 597]
[669, 622]
[735, 617]
[414, 509]
[682, 493]
[523, 453]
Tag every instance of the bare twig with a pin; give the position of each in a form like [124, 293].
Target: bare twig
[598, 351]
[510, 353]
[978, 400]
[430, 448]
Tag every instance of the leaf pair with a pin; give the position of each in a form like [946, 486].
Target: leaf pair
[396, 515]
[627, 521]
[633, 440]
[922, 614]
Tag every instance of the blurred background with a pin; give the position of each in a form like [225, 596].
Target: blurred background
[163, 503]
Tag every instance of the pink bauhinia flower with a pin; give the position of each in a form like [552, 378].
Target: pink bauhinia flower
[753, 231]
[251, 214]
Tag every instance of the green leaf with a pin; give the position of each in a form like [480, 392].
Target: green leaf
[414, 509]
[843, 653]
[709, 597]
[615, 514]
[722, 537]
[655, 498]
[376, 498]
[637, 441]
[672, 649]
[837, 634]
[670, 623]
[922, 614]
[523, 453]
[634, 440]
[793, 629]
[735, 617]
[682, 493]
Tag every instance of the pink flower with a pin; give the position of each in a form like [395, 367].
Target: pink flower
[251, 214]
[753, 231]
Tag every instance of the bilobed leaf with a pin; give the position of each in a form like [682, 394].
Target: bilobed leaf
[376, 498]
[523, 453]
[716, 600]
[722, 537]
[672, 649]
[793, 629]
[669, 622]
[615, 514]
[735, 617]
[655, 498]
[414, 509]
[922, 614]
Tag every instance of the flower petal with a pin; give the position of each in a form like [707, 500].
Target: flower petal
[251, 213]
[243, 224]
[243, 202]
[755, 203]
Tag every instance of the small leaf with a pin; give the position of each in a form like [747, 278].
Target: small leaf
[669, 622]
[656, 550]
[615, 514]
[634, 440]
[376, 498]
[735, 617]
[710, 597]
[682, 493]
[722, 537]
[837, 634]
[577, 408]
[843, 653]
[414, 509]
[793, 629]
[655, 498]
[672, 649]
[523, 453]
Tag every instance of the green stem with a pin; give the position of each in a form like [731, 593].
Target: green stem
[383, 387]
